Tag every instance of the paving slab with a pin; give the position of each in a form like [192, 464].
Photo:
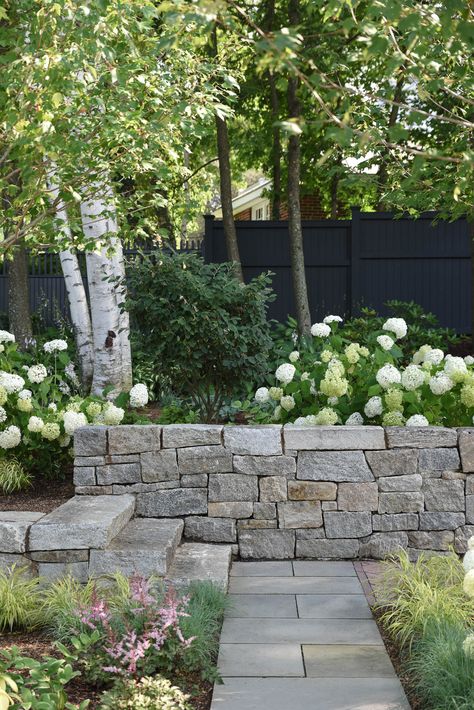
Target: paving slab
[323, 569]
[261, 660]
[262, 605]
[295, 585]
[342, 661]
[333, 606]
[309, 694]
[261, 569]
[304, 631]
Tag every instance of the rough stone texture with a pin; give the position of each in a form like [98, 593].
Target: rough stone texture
[265, 465]
[253, 524]
[347, 524]
[300, 514]
[399, 521]
[400, 484]
[392, 463]
[454, 476]
[311, 490]
[461, 538]
[329, 505]
[198, 480]
[333, 466]
[444, 496]
[273, 489]
[8, 559]
[199, 561]
[84, 475]
[264, 511]
[380, 544]
[118, 489]
[180, 435]
[82, 522]
[204, 459]
[121, 458]
[470, 509]
[441, 521]
[438, 460]
[14, 527]
[90, 460]
[466, 448]
[232, 487]
[426, 437]
[435, 540]
[469, 485]
[90, 441]
[134, 438]
[210, 529]
[159, 466]
[333, 438]
[54, 571]
[169, 503]
[400, 502]
[118, 473]
[230, 510]
[327, 549]
[358, 496]
[59, 556]
[267, 544]
[94, 490]
[253, 441]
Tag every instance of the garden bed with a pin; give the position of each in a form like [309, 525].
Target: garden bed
[45, 495]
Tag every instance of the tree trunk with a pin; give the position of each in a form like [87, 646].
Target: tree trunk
[19, 298]
[268, 24]
[225, 179]
[383, 170]
[334, 188]
[295, 230]
[471, 232]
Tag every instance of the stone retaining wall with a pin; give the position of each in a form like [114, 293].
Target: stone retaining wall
[282, 492]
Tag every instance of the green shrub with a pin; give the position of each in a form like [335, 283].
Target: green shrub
[203, 330]
[13, 477]
[146, 694]
[20, 599]
[413, 595]
[60, 602]
[443, 673]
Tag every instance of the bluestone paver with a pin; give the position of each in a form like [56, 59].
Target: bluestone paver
[295, 585]
[262, 605]
[323, 569]
[261, 660]
[342, 661]
[332, 606]
[347, 631]
[261, 569]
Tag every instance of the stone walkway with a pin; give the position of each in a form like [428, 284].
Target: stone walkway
[300, 636]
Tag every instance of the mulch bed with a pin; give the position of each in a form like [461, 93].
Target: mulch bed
[45, 495]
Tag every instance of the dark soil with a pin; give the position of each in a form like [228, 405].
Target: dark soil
[45, 495]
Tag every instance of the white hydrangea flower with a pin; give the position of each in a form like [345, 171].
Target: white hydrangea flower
[455, 367]
[64, 388]
[113, 415]
[417, 420]
[35, 424]
[468, 584]
[397, 326]
[70, 372]
[305, 376]
[355, 419]
[10, 437]
[387, 376]
[275, 393]
[276, 413]
[300, 421]
[385, 342]
[333, 400]
[3, 415]
[73, 420]
[469, 360]
[10, 382]
[326, 417]
[332, 319]
[320, 330]
[420, 354]
[25, 394]
[53, 407]
[374, 407]
[440, 383]
[54, 346]
[139, 395]
[93, 409]
[287, 402]
[285, 373]
[24, 405]
[434, 356]
[468, 561]
[64, 441]
[6, 337]
[294, 356]
[37, 373]
[262, 395]
[412, 377]
[51, 431]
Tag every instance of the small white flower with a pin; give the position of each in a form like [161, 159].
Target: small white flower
[374, 407]
[25, 394]
[294, 356]
[6, 337]
[434, 356]
[455, 367]
[64, 388]
[356, 419]
[469, 360]
[440, 383]
[35, 424]
[385, 342]
[285, 373]
[287, 402]
[139, 395]
[262, 395]
[53, 407]
[332, 319]
[74, 420]
[333, 400]
[70, 372]
[412, 377]
[10, 382]
[320, 330]
[113, 415]
[10, 437]
[387, 376]
[305, 376]
[397, 326]
[37, 373]
[417, 420]
[3, 415]
[54, 346]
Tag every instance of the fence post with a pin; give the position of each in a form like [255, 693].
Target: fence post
[354, 257]
[208, 238]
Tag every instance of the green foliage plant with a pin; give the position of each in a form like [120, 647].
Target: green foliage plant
[13, 477]
[59, 604]
[20, 598]
[155, 693]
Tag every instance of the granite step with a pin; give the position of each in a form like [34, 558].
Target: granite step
[82, 522]
[199, 562]
[145, 546]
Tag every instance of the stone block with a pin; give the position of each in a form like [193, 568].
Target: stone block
[466, 448]
[94, 490]
[332, 438]
[159, 466]
[398, 521]
[310, 534]
[14, 528]
[204, 459]
[358, 496]
[170, 503]
[267, 544]
[300, 514]
[346, 525]
[438, 460]
[400, 462]
[381, 544]
[252, 524]
[180, 435]
[199, 561]
[453, 476]
[265, 465]
[470, 510]
[461, 538]
[445, 496]
[253, 440]
[469, 485]
[118, 473]
[210, 529]
[90, 441]
[230, 510]
[134, 438]
[328, 549]
[52, 571]
[84, 475]
[333, 466]
[198, 480]
[441, 521]
[8, 559]
[90, 461]
[264, 511]
[425, 437]
[311, 490]
[118, 489]
[273, 489]
[121, 458]
[59, 556]
[400, 502]
[232, 487]
[329, 505]
[434, 540]
[400, 484]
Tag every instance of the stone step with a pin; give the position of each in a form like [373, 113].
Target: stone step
[145, 546]
[82, 522]
[198, 562]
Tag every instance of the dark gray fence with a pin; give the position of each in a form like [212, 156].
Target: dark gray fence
[365, 261]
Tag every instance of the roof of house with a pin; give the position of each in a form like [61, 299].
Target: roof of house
[248, 196]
